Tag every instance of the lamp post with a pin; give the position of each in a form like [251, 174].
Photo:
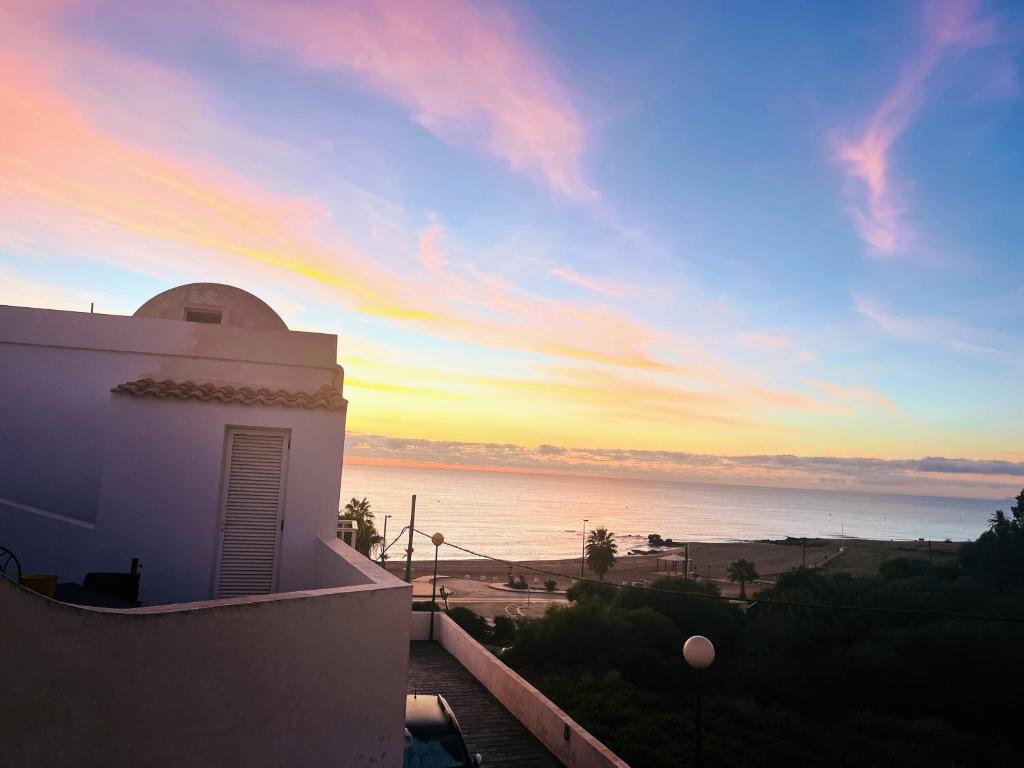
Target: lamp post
[384, 540]
[699, 653]
[437, 539]
[583, 557]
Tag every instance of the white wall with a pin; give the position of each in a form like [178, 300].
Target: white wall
[160, 499]
[66, 441]
[310, 678]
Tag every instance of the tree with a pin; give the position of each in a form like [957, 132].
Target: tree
[742, 571]
[601, 550]
[366, 532]
[999, 523]
[997, 557]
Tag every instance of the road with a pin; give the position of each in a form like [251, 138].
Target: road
[485, 600]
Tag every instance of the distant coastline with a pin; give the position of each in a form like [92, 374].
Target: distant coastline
[525, 516]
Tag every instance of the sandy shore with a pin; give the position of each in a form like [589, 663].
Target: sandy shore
[710, 561]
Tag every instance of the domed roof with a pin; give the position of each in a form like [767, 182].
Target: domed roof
[213, 303]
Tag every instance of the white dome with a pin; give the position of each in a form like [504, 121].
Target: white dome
[213, 303]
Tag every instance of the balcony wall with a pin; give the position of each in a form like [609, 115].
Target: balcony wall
[303, 678]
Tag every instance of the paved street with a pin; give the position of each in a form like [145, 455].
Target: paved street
[485, 600]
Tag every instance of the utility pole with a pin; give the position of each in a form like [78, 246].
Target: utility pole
[803, 561]
[384, 540]
[686, 568]
[929, 552]
[408, 552]
[583, 557]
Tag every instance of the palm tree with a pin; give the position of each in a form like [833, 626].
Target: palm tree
[1017, 510]
[366, 532]
[601, 549]
[998, 522]
[742, 571]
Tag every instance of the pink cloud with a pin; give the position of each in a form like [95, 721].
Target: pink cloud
[80, 166]
[464, 69]
[101, 169]
[879, 210]
[429, 248]
[855, 394]
[597, 286]
[762, 340]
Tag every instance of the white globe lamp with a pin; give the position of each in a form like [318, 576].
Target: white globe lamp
[699, 652]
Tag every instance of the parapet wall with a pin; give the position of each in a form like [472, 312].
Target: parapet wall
[313, 678]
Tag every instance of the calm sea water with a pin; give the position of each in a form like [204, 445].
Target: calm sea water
[519, 516]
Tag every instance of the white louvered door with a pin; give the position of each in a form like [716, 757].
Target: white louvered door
[252, 508]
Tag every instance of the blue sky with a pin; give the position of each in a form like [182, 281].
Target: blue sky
[734, 229]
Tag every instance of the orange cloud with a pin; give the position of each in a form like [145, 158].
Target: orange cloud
[855, 394]
[464, 69]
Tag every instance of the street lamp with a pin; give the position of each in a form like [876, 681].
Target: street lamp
[384, 542]
[699, 653]
[437, 539]
[583, 557]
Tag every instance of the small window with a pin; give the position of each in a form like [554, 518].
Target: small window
[203, 316]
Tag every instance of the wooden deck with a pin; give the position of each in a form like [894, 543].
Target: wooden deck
[487, 726]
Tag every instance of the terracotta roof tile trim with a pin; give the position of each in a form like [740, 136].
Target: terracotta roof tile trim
[326, 397]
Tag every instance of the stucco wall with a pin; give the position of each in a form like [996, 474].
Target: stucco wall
[160, 499]
[65, 440]
[58, 368]
[533, 709]
[310, 679]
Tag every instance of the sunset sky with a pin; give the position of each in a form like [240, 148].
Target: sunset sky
[600, 237]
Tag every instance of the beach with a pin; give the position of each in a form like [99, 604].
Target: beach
[710, 560]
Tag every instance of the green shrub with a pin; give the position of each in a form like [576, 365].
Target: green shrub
[583, 590]
[550, 585]
[474, 624]
[504, 631]
[424, 605]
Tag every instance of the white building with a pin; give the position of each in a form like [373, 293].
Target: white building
[199, 435]
[204, 438]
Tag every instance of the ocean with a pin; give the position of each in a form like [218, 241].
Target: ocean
[524, 516]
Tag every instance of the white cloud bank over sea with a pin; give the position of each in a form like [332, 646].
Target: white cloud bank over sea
[930, 475]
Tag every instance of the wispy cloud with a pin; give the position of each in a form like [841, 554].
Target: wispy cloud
[590, 283]
[847, 394]
[465, 70]
[941, 332]
[67, 174]
[429, 248]
[880, 209]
